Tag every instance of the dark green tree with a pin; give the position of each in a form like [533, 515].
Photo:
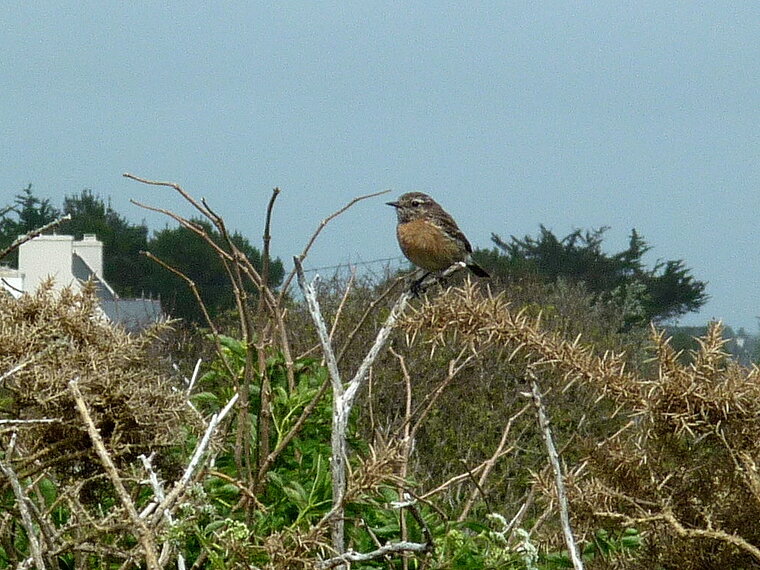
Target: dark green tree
[27, 213]
[184, 250]
[123, 266]
[663, 292]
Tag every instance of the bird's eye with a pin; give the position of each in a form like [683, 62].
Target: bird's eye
[416, 202]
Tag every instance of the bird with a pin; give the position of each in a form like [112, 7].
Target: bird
[429, 237]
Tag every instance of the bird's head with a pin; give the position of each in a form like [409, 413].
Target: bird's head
[413, 205]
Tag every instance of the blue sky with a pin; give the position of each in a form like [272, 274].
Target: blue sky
[511, 114]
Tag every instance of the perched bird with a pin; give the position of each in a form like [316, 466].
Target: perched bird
[429, 236]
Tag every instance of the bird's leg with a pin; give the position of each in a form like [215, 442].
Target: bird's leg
[416, 287]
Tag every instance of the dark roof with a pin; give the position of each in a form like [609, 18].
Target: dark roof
[134, 315]
[83, 272]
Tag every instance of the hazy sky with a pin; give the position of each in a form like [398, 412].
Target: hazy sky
[638, 115]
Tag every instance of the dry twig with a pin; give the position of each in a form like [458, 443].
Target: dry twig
[143, 534]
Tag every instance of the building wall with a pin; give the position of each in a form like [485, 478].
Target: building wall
[91, 251]
[46, 256]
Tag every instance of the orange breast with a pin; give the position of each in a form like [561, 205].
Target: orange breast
[427, 246]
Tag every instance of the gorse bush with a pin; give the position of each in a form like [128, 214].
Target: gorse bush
[681, 467]
[47, 340]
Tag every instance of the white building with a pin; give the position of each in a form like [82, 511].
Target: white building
[71, 263]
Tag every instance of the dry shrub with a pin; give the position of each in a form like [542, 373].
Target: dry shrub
[50, 338]
[683, 469]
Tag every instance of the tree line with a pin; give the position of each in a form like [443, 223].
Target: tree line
[129, 272]
[659, 293]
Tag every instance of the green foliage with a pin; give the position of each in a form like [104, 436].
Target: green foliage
[297, 490]
[665, 291]
[27, 213]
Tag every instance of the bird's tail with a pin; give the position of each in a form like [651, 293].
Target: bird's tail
[477, 269]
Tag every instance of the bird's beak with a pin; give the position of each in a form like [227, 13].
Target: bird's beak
[394, 204]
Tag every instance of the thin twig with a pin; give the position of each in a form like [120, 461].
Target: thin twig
[196, 293]
[459, 478]
[455, 367]
[406, 442]
[316, 233]
[360, 323]
[489, 463]
[39, 421]
[342, 303]
[176, 187]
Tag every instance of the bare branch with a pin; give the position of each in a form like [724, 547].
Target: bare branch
[200, 450]
[353, 556]
[360, 323]
[490, 462]
[342, 303]
[551, 450]
[310, 293]
[26, 518]
[176, 187]
[267, 239]
[39, 421]
[391, 548]
[158, 492]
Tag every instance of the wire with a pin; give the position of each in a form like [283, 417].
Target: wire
[370, 262]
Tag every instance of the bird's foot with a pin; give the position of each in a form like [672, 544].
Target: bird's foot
[416, 289]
